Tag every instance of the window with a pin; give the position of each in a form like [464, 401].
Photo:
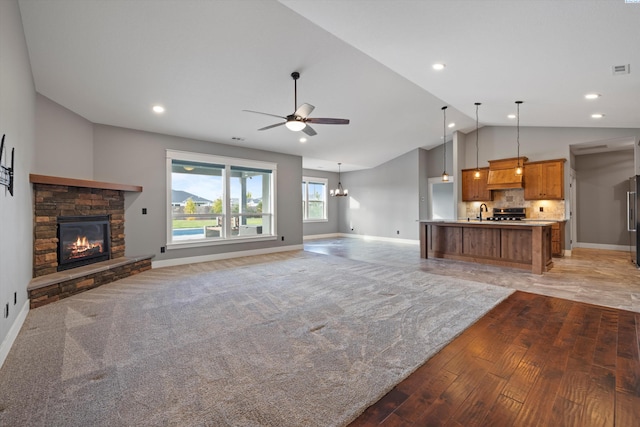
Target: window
[314, 199]
[216, 200]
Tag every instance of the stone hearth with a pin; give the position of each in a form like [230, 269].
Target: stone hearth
[55, 197]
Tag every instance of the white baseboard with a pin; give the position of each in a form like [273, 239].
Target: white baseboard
[380, 239]
[226, 255]
[601, 246]
[6, 345]
[321, 236]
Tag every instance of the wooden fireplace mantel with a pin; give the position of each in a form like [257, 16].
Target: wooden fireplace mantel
[56, 180]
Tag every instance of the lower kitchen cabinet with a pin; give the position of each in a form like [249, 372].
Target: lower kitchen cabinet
[557, 239]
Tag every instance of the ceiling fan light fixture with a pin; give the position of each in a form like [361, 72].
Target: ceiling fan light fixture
[295, 125]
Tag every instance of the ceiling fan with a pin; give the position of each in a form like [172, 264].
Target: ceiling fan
[300, 118]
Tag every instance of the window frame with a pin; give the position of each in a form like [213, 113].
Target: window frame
[305, 199]
[228, 163]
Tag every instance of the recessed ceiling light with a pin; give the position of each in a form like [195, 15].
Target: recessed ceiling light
[303, 140]
[597, 116]
[511, 116]
[158, 109]
[451, 124]
[592, 96]
[438, 66]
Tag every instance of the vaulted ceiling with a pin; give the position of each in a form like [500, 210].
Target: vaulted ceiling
[369, 61]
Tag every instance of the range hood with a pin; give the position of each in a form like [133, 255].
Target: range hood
[502, 174]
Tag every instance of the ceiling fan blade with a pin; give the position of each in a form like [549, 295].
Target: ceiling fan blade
[309, 130]
[327, 121]
[304, 110]
[272, 126]
[266, 114]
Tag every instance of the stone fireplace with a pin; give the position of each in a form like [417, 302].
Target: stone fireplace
[79, 239]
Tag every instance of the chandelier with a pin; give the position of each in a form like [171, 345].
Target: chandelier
[339, 192]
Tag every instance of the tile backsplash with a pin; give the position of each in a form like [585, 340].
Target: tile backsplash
[551, 209]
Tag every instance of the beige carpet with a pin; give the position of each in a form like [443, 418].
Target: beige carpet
[292, 339]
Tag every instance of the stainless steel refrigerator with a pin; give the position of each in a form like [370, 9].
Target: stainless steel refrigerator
[633, 219]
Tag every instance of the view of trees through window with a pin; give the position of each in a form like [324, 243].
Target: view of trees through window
[314, 196]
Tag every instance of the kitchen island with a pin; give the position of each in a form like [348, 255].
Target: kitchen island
[518, 244]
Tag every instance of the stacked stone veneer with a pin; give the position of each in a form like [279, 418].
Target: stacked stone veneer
[52, 201]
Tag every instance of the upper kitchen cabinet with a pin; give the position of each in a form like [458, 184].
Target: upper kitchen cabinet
[475, 190]
[544, 180]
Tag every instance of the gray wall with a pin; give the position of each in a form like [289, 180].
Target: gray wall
[135, 157]
[602, 182]
[17, 117]
[383, 200]
[536, 143]
[435, 160]
[333, 213]
[56, 128]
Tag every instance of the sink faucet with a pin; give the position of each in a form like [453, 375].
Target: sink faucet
[486, 209]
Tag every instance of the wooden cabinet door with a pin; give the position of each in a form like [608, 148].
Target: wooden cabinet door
[532, 181]
[475, 190]
[468, 186]
[553, 180]
[544, 180]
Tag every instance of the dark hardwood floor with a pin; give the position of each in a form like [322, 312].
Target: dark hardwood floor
[532, 361]
[535, 359]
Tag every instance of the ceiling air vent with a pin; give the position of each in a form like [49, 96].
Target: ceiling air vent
[621, 69]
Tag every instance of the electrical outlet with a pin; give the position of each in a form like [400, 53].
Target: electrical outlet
[15, 298]
[541, 209]
[144, 211]
[283, 238]
[162, 249]
[6, 310]
[397, 231]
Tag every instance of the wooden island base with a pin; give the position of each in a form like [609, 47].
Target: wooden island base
[525, 245]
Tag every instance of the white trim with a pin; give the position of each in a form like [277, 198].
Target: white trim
[380, 239]
[321, 236]
[6, 345]
[601, 246]
[226, 255]
[567, 252]
[212, 158]
[211, 242]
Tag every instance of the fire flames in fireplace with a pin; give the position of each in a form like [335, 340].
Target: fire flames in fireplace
[82, 248]
[82, 240]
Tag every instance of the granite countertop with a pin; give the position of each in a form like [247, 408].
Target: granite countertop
[525, 223]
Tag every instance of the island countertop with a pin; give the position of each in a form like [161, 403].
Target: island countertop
[525, 222]
[519, 244]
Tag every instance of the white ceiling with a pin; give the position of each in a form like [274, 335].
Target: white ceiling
[368, 60]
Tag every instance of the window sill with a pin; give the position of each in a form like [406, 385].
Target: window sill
[314, 220]
[203, 243]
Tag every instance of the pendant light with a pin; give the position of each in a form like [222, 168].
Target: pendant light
[445, 175]
[519, 167]
[476, 175]
[339, 192]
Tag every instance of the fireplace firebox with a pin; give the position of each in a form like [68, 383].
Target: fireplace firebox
[83, 240]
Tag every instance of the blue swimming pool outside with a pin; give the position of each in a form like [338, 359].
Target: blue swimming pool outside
[188, 231]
